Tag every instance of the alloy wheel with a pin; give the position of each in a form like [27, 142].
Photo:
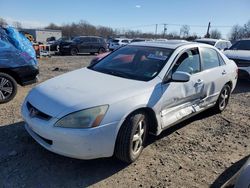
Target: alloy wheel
[6, 88]
[138, 137]
[224, 97]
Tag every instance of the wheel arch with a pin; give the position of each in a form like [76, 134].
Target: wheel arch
[12, 74]
[230, 83]
[153, 121]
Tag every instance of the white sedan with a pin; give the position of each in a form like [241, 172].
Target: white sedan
[110, 107]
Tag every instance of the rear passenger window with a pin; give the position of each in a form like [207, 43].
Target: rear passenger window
[85, 39]
[94, 40]
[209, 58]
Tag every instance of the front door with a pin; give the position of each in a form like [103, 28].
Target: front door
[181, 99]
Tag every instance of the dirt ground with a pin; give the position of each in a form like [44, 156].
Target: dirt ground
[202, 152]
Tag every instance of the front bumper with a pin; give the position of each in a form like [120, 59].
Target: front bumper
[26, 74]
[76, 143]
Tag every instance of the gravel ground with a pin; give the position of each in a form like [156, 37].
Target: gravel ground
[202, 152]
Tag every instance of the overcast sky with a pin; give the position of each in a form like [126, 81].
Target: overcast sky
[131, 14]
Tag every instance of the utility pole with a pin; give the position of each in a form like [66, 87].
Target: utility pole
[165, 30]
[208, 28]
[156, 26]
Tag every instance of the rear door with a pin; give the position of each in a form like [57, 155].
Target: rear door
[95, 44]
[181, 99]
[214, 75]
[85, 45]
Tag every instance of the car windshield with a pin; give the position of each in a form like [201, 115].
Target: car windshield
[206, 42]
[241, 45]
[134, 62]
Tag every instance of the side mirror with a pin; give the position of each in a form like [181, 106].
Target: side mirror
[180, 76]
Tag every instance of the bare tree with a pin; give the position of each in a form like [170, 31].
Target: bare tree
[215, 34]
[53, 26]
[184, 31]
[3, 22]
[237, 32]
[173, 35]
[247, 30]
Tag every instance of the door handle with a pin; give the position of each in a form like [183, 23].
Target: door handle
[224, 72]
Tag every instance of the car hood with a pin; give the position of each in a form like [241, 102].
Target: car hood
[238, 54]
[81, 89]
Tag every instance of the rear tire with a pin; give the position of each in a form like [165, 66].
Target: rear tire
[223, 99]
[8, 88]
[101, 51]
[132, 137]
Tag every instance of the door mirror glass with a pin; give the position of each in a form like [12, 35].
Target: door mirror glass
[180, 76]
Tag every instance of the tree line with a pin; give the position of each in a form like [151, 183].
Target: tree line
[84, 28]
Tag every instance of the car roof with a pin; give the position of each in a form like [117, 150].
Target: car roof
[120, 39]
[248, 39]
[209, 40]
[171, 44]
[89, 36]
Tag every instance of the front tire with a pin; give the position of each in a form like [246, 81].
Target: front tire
[132, 137]
[73, 51]
[223, 99]
[8, 88]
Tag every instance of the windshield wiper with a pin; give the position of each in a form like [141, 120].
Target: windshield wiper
[112, 72]
[116, 73]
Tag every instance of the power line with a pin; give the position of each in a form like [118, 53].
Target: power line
[173, 24]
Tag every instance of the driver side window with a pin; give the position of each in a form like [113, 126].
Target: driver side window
[188, 62]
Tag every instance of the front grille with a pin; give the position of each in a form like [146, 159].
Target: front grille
[242, 63]
[34, 112]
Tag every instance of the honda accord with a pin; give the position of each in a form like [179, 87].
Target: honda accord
[110, 107]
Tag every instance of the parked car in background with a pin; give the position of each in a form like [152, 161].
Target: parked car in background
[240, 54]
[161, 40]
[84, 44]
[140, 40]
[218, 43]
[54, 46]
[51, 40]
[108, 41]
[118, 42]
[15, 68]
[241, 179]
[110, 107]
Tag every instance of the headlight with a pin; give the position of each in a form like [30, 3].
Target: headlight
[87, 118]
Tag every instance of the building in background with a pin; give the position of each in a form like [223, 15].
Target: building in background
[43, 35]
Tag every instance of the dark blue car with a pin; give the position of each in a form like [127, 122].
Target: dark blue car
[16, 67]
